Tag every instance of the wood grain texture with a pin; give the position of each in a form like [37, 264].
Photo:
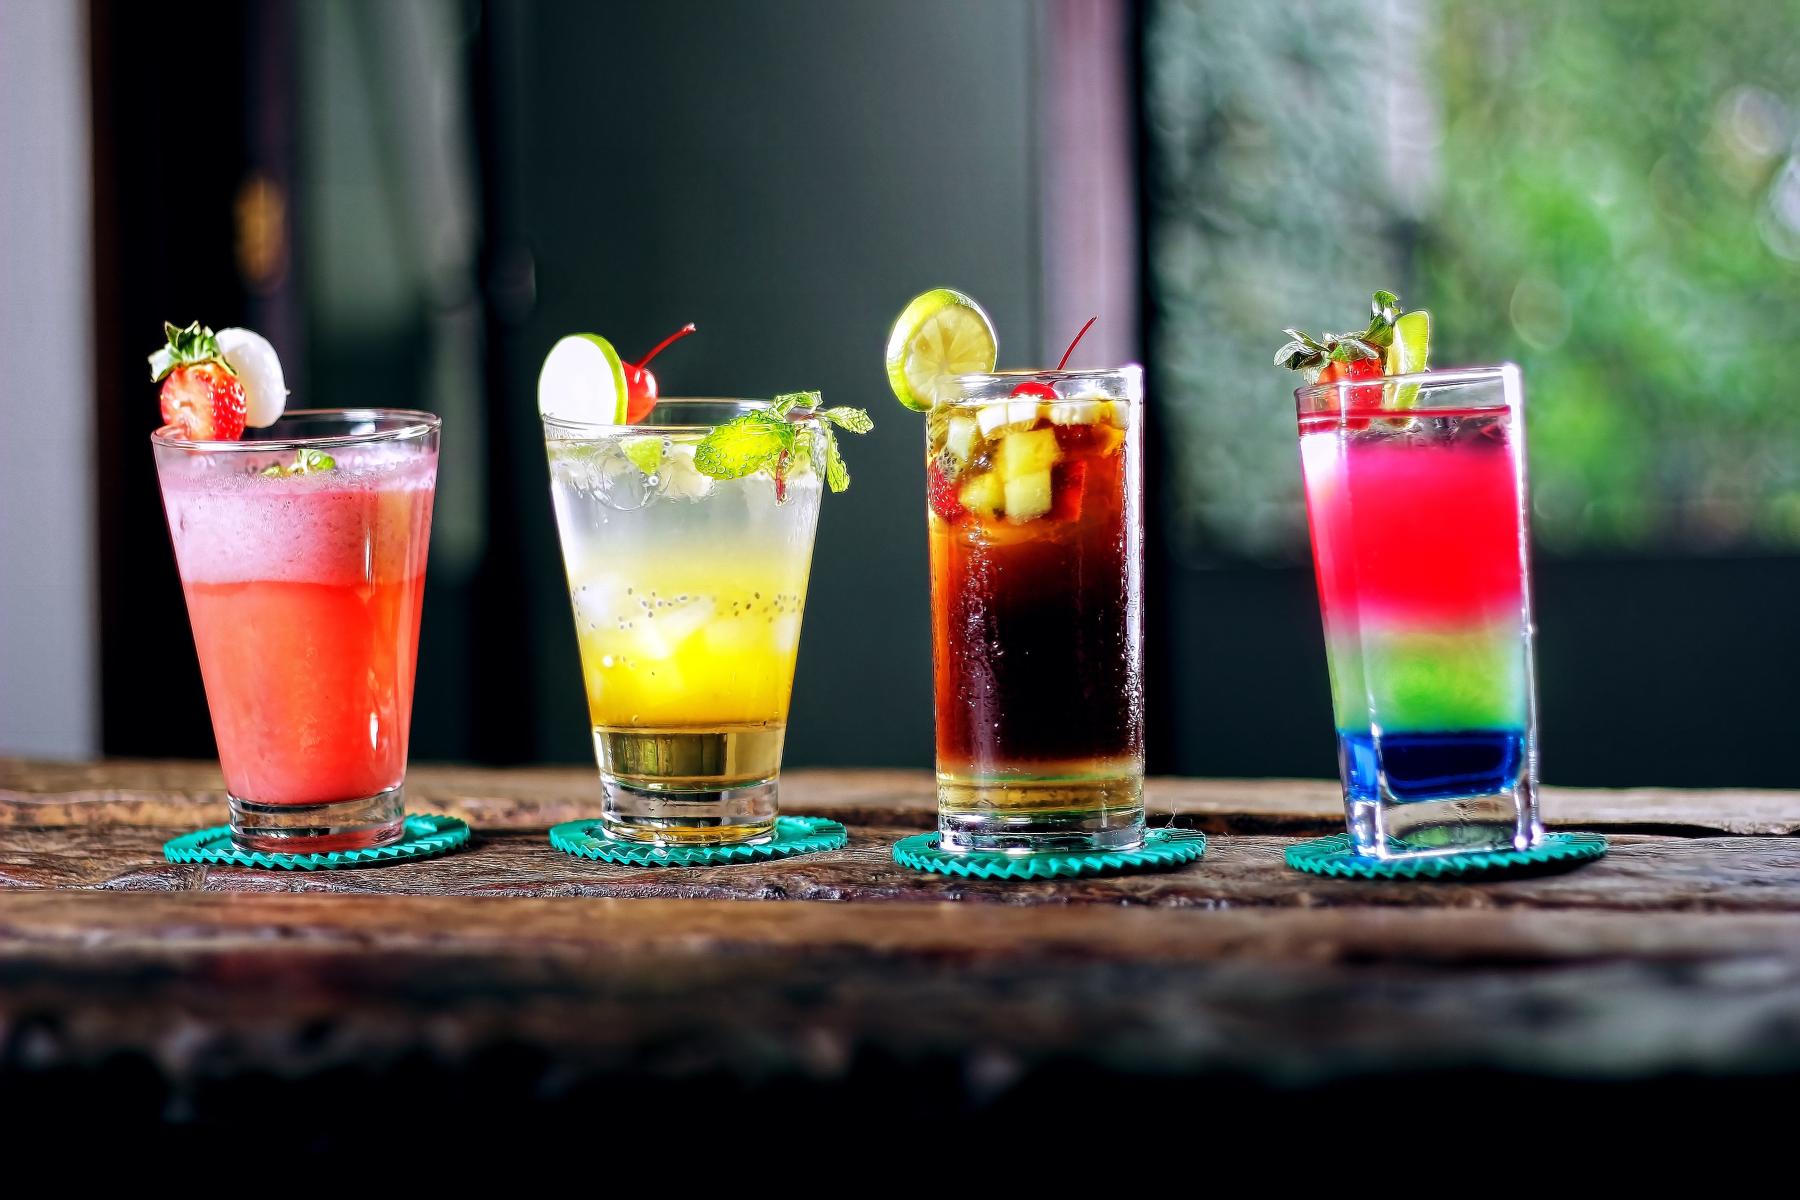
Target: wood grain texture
[1642, 874]
[1677, 955]
[183, 794]
[1293, 996]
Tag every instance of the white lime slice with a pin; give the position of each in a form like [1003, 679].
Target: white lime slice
[1407, 355]
[940, 335]
[583, 380]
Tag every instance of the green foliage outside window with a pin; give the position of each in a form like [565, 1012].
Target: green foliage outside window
[1607, 193]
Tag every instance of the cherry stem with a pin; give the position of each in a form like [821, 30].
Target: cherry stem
[1076, 342]
[664, 344]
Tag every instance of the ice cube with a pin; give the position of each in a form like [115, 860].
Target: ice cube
[680, 478]
[664, 624]
[615, 481]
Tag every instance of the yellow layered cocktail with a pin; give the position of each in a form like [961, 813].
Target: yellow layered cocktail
[687, 592]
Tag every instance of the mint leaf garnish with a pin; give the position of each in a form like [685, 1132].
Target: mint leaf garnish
[745, 445]
[306, 462]
[772, 439]
[851, 420]
[1351, 349]
[837, 475]
[645, 453]
[787, 402]
[1310, 355]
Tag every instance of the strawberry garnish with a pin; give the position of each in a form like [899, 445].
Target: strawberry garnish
[940, 489]
[1354, 371]
[1345, 357]
[202, 399]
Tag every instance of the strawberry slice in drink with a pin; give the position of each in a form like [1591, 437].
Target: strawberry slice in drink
[1068, 482]
[941, 491]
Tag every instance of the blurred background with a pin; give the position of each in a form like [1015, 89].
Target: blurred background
[415, 198]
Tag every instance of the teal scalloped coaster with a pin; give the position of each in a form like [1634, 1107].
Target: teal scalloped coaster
[426, 835]
[1332, 857]
[793, 835]
[1162, 848]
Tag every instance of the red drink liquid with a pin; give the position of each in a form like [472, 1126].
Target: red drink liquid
[304, 595]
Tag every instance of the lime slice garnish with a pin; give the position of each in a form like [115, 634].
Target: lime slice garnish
[1407, 354]
[583, 380]
[645, 453]
[940, 335]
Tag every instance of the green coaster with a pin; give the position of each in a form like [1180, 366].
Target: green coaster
[1161, 848]
[793, 835]
[425, 837]
[1331, 856]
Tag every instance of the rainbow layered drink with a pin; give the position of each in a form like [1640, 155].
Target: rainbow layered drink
[1415, 494]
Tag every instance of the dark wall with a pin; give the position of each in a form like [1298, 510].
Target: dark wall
[788, 176]
[162, 251]
[1680, 672]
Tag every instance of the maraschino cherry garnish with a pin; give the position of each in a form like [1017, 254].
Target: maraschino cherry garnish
[1034, 387]
[640, 384]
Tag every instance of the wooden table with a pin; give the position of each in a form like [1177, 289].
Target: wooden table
[509, 979]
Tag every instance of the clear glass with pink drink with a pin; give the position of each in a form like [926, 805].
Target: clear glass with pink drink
[304, 590]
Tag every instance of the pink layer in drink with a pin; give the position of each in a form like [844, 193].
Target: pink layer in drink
[1417, 534]
[304, 595]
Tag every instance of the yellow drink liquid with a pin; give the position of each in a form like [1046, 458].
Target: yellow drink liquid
[687, 595]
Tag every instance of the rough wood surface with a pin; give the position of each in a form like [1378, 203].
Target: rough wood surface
[168, 794]
[1679, 953]
[1644, 874]
[1293, 995]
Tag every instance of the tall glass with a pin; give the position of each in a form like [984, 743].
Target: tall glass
[1035, 511]
[687, 594]
[1415, 494]
[303, 591]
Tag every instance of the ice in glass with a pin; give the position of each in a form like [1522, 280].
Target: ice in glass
[1036, 536]
[687, 593]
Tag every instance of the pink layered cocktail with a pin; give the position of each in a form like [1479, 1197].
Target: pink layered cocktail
[304, 589]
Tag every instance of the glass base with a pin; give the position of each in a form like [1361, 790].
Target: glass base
[1034, 816]
[725, 816]
[1503, 820]
[319, 828]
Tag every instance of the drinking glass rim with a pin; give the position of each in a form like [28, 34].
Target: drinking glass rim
[1506, 372]
[414, 423]
[610, 429]
[1051, 374]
